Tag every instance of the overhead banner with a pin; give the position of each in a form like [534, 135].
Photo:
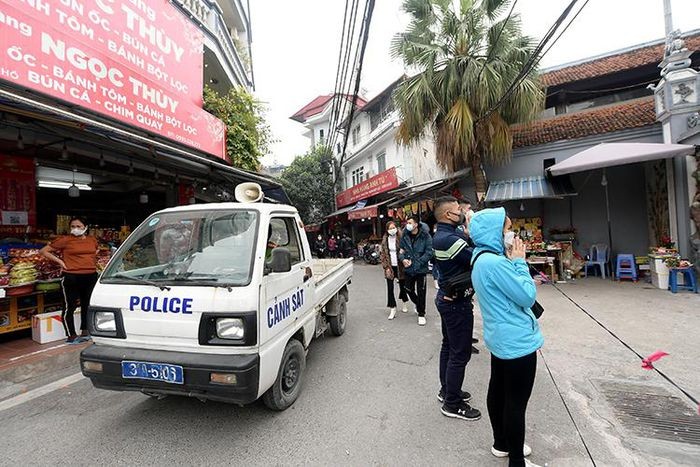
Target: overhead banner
[135, 61]
[366, 213]
[380, 183]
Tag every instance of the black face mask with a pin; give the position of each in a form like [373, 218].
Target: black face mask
[462, 218]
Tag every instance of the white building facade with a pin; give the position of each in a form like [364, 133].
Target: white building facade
[227, 41]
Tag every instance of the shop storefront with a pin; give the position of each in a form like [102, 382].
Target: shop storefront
[363, 208]
[88, 131]
[615, 203]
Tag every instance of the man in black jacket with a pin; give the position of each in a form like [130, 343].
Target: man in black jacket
[453, 258]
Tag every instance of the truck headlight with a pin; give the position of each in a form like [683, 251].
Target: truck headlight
[230, 328]
[105, 321]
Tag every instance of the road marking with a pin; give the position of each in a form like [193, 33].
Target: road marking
[38, 352]
[40, 391]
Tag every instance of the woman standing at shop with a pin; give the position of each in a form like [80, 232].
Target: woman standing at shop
[393, 269]
[79, 252]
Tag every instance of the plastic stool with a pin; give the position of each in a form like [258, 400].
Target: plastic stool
[691, 282]
[626, 267]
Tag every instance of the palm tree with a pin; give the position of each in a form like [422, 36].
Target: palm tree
[466, 57]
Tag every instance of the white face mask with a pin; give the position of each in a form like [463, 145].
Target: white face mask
[78, 232]
[508, 238]
[410, 227]
[392, 232]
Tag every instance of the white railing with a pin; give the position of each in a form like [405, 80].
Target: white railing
[209, 15]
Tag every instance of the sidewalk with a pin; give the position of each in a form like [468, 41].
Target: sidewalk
[627, 415]
[25, 364]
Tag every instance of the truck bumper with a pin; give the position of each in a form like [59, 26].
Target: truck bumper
[196, 370]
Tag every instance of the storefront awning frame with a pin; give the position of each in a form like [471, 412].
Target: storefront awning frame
[613, 154]
[536, 187]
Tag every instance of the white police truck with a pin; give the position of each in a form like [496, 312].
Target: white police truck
[214, 301]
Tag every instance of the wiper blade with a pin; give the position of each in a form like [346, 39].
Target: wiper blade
[139, 280]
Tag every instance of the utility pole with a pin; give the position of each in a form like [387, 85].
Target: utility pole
[668, 18]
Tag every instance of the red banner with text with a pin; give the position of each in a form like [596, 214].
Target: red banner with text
[135, 61]
[17, 195]
[365, 213]
[380, 183]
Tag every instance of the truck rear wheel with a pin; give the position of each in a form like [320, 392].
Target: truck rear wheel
[287, 386]
[337, 322]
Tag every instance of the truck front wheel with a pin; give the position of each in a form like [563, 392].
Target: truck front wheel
[337, 322]
[287, 386]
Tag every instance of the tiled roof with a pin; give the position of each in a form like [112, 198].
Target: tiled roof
[317, 105]
[630, 114]
[601, 66]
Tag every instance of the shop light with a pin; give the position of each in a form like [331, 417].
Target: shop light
[604, 180]
[63, 185]
[64, 152]
[522, 206]
[49, 174]
[143, 198]
[20, 141]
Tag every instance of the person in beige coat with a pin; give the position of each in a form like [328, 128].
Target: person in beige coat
[393, 268]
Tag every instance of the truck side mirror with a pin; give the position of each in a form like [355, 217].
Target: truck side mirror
[280, 260]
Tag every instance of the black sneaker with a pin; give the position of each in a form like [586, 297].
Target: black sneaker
[475, 340]
[464, 412]
[466, 397]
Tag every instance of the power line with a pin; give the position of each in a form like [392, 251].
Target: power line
[565, 29]
[347, 39]
[535, 57]
[367, 20]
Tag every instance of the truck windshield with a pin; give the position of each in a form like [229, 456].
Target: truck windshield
[188, 248]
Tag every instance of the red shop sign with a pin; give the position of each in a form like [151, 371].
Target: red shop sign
[380, 183]
[363, 213]
[17, 195]
[137, 62]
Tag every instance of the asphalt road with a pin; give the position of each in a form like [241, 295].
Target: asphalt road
[369, 398]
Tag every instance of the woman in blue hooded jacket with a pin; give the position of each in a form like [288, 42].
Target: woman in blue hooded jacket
[505, 291]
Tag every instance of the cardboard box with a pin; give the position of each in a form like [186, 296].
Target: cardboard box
[48, 327]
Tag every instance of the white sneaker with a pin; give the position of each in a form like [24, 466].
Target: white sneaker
[421, 321]
[392, 313]
[405, 307]
[437, 286]
[526, 451]
[531, 464]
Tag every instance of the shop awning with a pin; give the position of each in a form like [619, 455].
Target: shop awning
[427, 190]
[529, 188]
[341, 211]
[613, 154]
[359, 211]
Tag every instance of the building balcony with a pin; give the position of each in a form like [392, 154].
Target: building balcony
[226, 30]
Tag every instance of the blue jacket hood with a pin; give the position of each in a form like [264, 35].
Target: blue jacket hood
[486, 230]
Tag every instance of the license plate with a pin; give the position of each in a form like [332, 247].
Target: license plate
[153, 371]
